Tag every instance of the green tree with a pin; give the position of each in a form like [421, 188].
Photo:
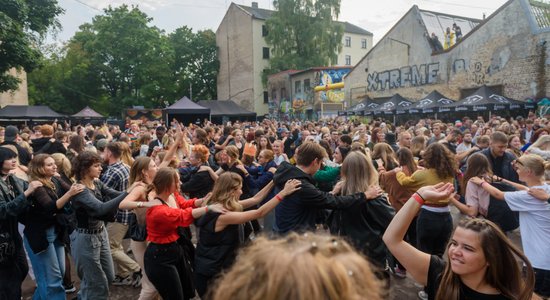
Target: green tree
[131, 58]
[196, 63]
[66, 83]
[22, 24]
[303, 34]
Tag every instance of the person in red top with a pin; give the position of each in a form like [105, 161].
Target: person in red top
[164, 260]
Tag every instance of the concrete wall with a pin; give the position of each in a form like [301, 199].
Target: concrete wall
[260, 64]
[355, 51]
[19, 96]
[502, 51]
[235, 52]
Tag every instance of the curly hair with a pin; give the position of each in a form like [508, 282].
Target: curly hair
[83, 162]
[439, 158]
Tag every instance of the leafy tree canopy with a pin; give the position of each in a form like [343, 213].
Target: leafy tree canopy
[120, 60]
[303, 34]
[22, 23]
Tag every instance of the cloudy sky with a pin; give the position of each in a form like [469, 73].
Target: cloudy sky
[373, 15]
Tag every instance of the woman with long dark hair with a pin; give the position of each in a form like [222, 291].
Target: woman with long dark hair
[477, 199]
[43, 232]
[434, 223]
[481, 259]
[14, 201]
[89, 242]
[398, 196]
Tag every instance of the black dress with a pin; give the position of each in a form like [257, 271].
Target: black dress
[215, 251]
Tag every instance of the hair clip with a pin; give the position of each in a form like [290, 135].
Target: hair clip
[350, 272]
[313, 248]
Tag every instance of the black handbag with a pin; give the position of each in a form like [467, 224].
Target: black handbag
[138, 232]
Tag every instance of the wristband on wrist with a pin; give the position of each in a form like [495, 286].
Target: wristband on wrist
[279, 197]
[418, 198]
[206, 209]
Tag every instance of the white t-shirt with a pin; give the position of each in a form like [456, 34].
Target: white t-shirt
[534, 224]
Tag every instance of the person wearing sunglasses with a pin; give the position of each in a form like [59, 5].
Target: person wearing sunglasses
[534, 215]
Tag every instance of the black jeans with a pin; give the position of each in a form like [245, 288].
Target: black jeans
[13, 275]
[433, 230]
[542, 282]
[165, 267]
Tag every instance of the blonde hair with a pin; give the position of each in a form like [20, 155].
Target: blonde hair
[535, 163]
[233, 153]
[358, 173]
[126, 154]
[308, 266]
[224, 191]
[542, 143]
[63, 164]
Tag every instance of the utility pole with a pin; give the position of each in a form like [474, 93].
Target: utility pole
[191, 91]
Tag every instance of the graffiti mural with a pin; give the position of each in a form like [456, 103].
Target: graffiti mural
[330, 85]
[407, 76]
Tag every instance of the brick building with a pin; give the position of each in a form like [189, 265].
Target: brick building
[507, 51]
[244, 54]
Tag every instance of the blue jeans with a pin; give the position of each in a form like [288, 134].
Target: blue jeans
[49, 268]
[94, 265]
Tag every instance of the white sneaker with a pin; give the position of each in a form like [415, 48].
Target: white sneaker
[423, 295]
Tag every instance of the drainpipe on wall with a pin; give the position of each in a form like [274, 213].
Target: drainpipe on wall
[541, 72]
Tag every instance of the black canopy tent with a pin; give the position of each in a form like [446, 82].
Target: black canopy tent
[485, 99]
[359, 108]
[89, 115]
[25, 113]
[186, 111]
[394, 105]
[430, 104]
[220, 109]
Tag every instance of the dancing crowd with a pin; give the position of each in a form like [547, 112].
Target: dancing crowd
[330, 209]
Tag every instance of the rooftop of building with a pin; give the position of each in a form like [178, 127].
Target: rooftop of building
[264, 14]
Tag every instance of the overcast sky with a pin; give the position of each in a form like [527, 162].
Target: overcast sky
[373, 15]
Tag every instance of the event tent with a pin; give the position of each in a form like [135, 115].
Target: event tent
[395, 105]
[185, 110]
[88, 113]
[360, 107]
[485, 99]
[430, 104]
[228, 109]
[28, 112]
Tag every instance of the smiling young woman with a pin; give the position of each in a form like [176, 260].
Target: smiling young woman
[482, 261]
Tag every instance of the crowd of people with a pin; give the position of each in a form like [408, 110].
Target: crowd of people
[331, 209]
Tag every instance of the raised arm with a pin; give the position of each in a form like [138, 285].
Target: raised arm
[242, 217]
[414, 260]
[173, 148]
